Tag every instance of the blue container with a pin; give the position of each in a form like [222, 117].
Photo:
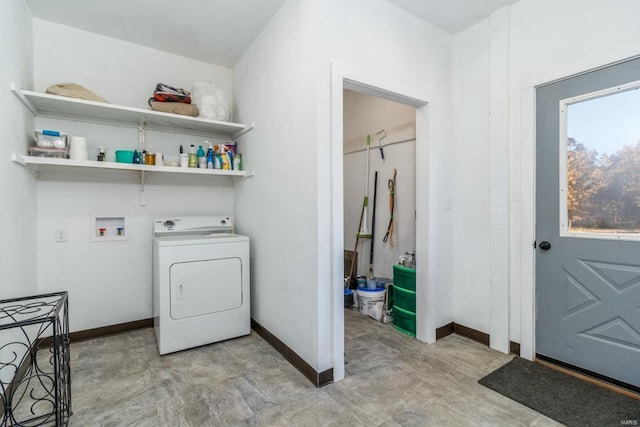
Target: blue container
[382, 281]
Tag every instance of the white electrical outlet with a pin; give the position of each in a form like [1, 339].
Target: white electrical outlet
[61, 234]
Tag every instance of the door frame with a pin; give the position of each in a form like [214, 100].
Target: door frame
[527, 163]
[365, 81]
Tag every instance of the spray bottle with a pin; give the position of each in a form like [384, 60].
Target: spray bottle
[217, 160]
[202, 160]
[224, 158]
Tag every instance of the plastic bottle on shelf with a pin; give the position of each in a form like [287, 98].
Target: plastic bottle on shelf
[184, 159]
[224, 158]
[217, 159]
[136, 157]
[193, 157]
[237, 162]
[202, 160]
[210, 158]
[229, 159]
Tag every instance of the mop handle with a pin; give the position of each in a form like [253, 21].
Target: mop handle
[373, 224]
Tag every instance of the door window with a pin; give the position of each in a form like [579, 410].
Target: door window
[600, 164]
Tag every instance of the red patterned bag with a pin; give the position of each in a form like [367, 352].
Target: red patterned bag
[166, 93]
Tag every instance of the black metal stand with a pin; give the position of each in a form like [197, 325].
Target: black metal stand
[35, 372]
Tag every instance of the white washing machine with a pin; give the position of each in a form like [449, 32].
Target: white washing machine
[200, 282]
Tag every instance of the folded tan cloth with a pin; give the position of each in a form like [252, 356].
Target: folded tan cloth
[74, 90]
[175, 108]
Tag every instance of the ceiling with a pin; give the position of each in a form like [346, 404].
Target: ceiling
[215, 31]
[452, 16]
[219, 31]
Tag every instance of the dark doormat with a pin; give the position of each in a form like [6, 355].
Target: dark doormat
[566, 399]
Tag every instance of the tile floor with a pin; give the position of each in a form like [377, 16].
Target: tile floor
[392, 380]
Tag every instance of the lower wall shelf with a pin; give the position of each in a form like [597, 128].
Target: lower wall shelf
[40, 163]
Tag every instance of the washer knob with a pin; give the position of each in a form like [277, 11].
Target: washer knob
[169, 223]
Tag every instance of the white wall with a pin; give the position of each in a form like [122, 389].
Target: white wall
[111, 282]
[364, 115]
[471, 201]
[546, 40]
[369, 114]
[273, 86]
[593, 34]
[18, 195]
[287, 207]
[122, 73]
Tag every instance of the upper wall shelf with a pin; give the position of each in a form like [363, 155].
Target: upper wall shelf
[42, 104]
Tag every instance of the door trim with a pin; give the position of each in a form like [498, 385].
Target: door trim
[527, 163]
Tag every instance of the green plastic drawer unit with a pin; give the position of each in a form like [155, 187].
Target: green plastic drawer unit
[404, 299]
[404, 277]
[404, 321]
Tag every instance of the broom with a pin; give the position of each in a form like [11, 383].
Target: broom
[364, 233]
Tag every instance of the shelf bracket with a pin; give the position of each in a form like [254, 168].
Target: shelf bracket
[241, 132]
[142, 137]
[143, 195]
[23, 99]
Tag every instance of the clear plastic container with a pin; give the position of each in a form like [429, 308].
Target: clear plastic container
[44, 140]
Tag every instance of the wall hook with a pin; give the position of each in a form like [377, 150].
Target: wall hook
[380, 142]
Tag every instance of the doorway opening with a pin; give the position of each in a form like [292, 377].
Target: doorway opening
[425, 299]
[379, 146]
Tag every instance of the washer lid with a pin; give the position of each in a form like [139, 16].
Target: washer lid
[207, 239]
[192, 226]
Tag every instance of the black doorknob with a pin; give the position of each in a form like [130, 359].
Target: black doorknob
[545, 246]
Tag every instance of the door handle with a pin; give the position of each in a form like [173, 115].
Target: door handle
[545, 246]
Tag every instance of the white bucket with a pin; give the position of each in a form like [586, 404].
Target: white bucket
[371, 302]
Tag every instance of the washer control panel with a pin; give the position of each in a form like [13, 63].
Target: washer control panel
[192, 225]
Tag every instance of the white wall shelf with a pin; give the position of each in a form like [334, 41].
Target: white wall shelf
[42, 104]
[60, 107]
[49, 163]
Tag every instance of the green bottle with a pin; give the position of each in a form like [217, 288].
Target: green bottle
[193, 157]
